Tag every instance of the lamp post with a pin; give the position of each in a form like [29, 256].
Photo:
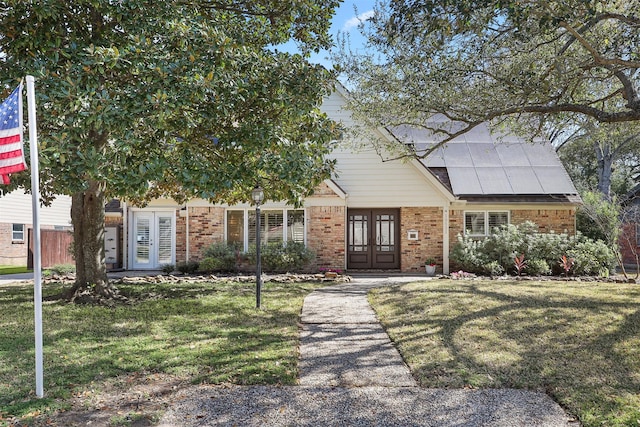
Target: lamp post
[258, 195]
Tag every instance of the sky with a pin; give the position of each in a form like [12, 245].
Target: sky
[344, 21]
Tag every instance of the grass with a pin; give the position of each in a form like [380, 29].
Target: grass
[13, 269]
[205, 333]
[577, 341]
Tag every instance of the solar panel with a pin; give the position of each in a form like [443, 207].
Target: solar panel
[482, 163]
[484, 154]
[494, 180]
[464, 180]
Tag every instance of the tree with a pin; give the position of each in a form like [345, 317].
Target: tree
[140, 99]
[600, 156]
[506, 62]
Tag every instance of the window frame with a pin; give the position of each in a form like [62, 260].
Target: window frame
[486, 225]
[245, 223]
[13, 233]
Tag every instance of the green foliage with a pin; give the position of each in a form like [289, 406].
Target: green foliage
[219, 256]
[188, 267]
[600, 218]
[493, 269]
[522, 248]
[468, 254]
[275, 257]
[13, 269]
[592, 258]
[537, 267]
[168, 268]
[142, 99]
[423, 60]
[59, 269]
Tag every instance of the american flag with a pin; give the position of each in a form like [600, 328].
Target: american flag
[11, 149]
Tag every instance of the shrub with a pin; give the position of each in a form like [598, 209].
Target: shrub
[469, 254]
[219, 257]
[542, 252]
[168, 268]
[493, 268]
[591, 258]
[189, 267]
[275, 257]
[538, 267]
[59, 269]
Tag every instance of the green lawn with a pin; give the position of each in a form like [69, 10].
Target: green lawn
[13, 269]
[205, 333]
[577, 341]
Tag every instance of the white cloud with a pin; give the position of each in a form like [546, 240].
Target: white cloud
[353, 22]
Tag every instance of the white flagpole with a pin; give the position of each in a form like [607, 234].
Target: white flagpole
[37, 259]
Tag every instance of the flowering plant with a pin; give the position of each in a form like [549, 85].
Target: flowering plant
[462, 275]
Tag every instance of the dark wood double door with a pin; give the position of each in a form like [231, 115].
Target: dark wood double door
[373, 239]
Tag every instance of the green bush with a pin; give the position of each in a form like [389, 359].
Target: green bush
[187, 267]
[538, 267]
[59, 269]
[219, 257]
[542, 252]
[591, 258]
[276, 257]
[168, 268]
[493, 269]
[468, 254]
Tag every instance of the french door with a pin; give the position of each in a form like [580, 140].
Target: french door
[153, 239]
[373, 240]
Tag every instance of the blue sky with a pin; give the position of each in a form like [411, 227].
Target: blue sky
[344, 21]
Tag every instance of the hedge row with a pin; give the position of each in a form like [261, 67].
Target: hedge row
[517, 249]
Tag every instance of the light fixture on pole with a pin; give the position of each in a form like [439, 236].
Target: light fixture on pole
[257, 195]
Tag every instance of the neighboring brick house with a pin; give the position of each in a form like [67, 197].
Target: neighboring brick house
[630, 237]
[374, 214]
[16, 219]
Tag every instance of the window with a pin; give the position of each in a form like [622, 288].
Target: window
[481, 223]
[276, 225]
[17, 233]
[637, 234]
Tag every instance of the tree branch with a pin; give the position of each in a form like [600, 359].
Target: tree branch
[599, 59]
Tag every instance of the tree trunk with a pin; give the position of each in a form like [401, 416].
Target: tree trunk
[87, 216]
[605, 158]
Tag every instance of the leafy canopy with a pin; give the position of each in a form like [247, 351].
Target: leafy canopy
[472, 61]
[174, 98]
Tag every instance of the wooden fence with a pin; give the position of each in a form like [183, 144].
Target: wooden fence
[55, 245]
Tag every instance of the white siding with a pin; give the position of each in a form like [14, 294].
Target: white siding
[15, 207]
[370, 182]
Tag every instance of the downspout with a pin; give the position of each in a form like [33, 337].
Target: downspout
[125, 236]
[346, 231]
[445, 240]
[186, 238]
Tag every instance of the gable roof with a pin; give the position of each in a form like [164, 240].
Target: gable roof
[479, 165]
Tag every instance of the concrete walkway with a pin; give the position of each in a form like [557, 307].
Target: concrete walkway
[343, 344]
[352, 375]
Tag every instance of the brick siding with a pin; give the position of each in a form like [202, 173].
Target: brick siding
[206, 226]
[428, 223]
[548, 220]
[629, 244]
[15, 253]
[326, 234]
